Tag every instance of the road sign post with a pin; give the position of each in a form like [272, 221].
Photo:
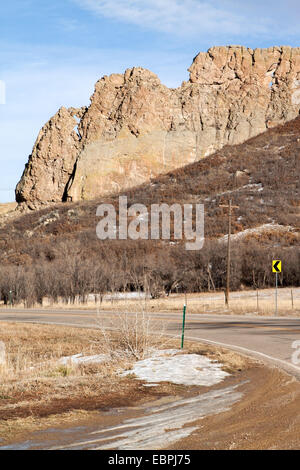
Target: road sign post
[276, 268]
[276, 296]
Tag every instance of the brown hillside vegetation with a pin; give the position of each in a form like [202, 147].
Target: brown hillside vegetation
[55, 251]
[6, 208]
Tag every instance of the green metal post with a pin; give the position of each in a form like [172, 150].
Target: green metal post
[183, 324]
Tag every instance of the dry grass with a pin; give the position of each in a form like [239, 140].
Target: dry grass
[260, 302]
[132, 334]
[14, 428]
[31, 372]
[31, 350]
[37, 392]
[231, 360]
[7, 207]
[265, 307]
[35, 385]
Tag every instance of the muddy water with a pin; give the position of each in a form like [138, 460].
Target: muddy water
[144, 427]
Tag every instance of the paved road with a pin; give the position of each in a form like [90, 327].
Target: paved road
[267, 338]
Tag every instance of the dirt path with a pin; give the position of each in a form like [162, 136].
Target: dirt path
[255, 409]
[266, 418]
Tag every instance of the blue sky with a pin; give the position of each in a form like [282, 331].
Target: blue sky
[52, 53]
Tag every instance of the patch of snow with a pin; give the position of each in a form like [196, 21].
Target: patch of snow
[257, 230]
[48, 218]
[250, 186]
[254, 186]
[172, 366]
[125, 295]
[165, 352]
[81, 359]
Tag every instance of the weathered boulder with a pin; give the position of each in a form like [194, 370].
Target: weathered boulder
[136, 128]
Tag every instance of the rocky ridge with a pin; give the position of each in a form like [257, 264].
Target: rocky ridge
[136, 128]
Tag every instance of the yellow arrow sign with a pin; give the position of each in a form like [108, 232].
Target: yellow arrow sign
[276, 266]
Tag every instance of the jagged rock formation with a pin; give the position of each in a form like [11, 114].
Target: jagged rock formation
[52, 161]
[136, 128]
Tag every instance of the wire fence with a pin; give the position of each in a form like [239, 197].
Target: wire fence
[259, 301]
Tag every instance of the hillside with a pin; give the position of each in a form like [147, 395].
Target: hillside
[58, 245]
[6, 208]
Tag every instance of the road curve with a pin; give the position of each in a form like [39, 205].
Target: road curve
[269, 339]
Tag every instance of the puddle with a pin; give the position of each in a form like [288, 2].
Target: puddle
[57, 430]
[166, 421]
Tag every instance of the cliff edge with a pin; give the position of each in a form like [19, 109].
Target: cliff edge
[136, 128]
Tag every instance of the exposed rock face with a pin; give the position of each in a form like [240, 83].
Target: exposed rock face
[136, 128]
[52, 161]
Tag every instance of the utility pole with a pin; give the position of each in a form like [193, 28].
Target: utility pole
[230, 207]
